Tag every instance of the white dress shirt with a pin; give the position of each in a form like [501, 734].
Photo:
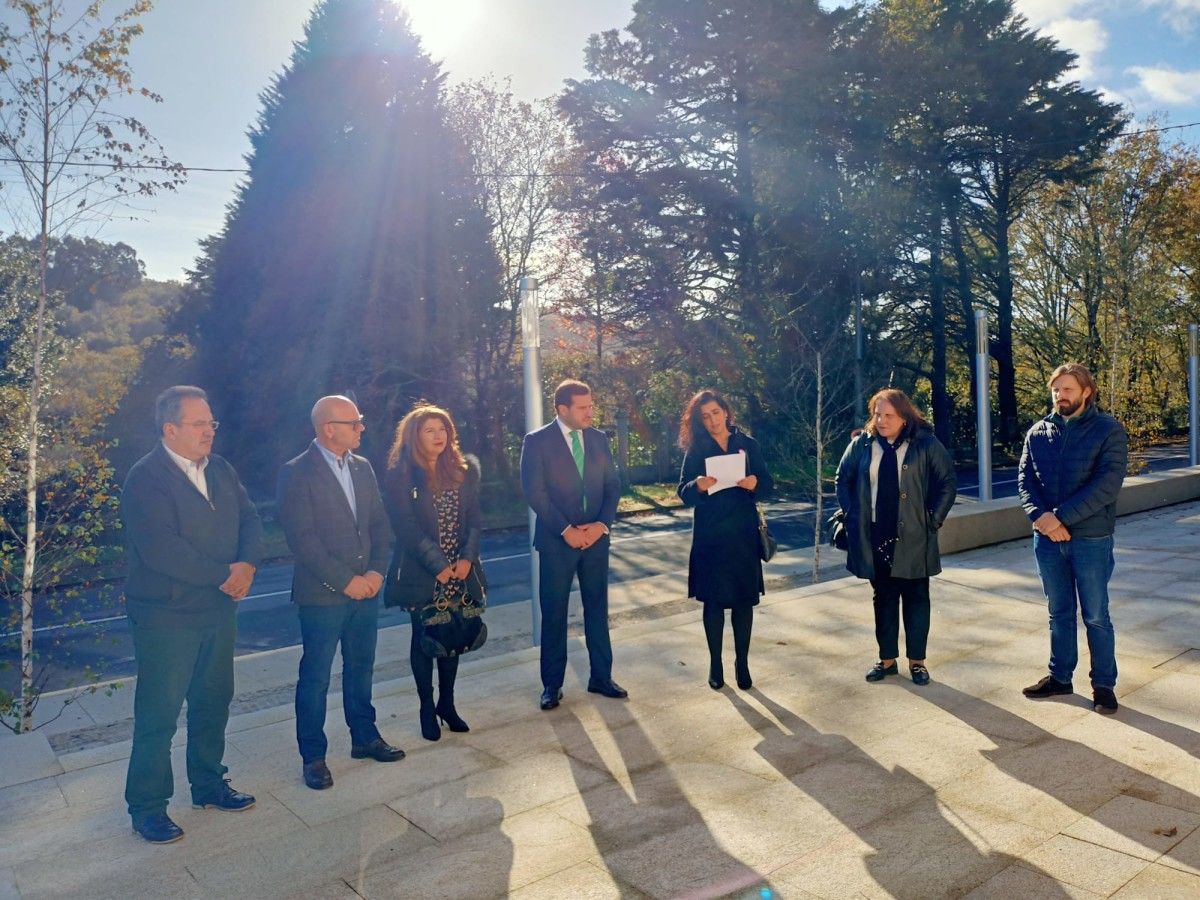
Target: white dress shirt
[193, 471]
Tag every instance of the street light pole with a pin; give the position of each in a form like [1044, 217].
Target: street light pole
[532, 352]
[983, 405]
[1193, 400]
[860, 402]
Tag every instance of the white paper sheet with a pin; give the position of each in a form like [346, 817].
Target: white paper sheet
[728, 470]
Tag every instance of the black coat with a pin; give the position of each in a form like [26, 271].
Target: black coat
[927, 490]
[724, 567]
[418, 555]
[1074, 468]
[181, 544]
[554, 490]
[330, 543]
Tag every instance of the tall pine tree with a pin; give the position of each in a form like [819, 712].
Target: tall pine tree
[354, 252]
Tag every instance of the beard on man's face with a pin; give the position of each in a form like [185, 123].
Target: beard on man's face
[1068, 409]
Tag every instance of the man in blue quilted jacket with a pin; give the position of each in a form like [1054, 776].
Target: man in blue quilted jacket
[1071, 471]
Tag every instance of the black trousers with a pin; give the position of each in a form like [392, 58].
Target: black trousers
[174, 663]
[889, 592]
[557, 569]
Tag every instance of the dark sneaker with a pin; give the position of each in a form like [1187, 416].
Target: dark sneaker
[1104, 700]
[879, 671]
[920, 674]
[1048, 687]
[225, 798]
[158, 829]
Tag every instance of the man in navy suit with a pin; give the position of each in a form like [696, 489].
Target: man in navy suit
[338, 532]
[571, 483]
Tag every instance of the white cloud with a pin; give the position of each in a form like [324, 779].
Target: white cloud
[1167, 85]
[1088, 38]
[1181, 15]
[1042, 12]
[1110, 95]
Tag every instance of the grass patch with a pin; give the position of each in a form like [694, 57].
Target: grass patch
[649, 498]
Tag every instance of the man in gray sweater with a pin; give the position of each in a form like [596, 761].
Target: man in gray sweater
[194, 542]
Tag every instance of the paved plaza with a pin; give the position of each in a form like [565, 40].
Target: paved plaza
[811, 784]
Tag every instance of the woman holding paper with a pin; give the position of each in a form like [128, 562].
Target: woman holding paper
[895, 485]
[723, 472]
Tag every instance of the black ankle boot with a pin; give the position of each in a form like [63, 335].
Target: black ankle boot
[430, 730]
[716, 675]
[449, 715]
[741, 668]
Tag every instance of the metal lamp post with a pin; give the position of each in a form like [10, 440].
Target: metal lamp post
[983, 405]
[1193, 400]
[531, 345]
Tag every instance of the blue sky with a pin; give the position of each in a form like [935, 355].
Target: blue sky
[211, 58]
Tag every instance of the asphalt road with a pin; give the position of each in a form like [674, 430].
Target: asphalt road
[643, 546]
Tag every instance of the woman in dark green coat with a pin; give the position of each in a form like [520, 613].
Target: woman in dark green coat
[895, 487]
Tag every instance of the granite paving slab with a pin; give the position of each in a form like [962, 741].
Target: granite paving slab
[483, 800]
[585, 881]
[1159, 882]
[360, 784]
[812, 784]
[526, 848]
[1185, 855]
[1085, 865]
[1020, 881]
[27, 757]
[1135, 827]
[373, 836]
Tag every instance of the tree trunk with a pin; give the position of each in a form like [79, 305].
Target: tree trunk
[29, 567]
[1006, 375]
[942, 411]
[963, 287]
[818, 475]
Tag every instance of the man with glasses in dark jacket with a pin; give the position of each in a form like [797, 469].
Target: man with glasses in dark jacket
[336, 527]
[1069, 479]
[194, 543]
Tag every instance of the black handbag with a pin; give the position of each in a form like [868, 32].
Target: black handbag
[838, 539]
[766, 541]
[454, 629]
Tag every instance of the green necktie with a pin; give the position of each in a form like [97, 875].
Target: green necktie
[577, 452]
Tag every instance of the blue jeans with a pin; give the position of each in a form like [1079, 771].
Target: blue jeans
[1079, 568]
[355, 624]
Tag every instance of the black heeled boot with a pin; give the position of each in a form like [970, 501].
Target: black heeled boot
[742, 619]
[450, 717]
[430, 730]
[742, 669]
[447, 675]
[716, 675]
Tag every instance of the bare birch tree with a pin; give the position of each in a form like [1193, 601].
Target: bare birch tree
[66, 133]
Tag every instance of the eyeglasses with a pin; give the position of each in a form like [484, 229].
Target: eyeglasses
[360, 422]
[214, 425]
